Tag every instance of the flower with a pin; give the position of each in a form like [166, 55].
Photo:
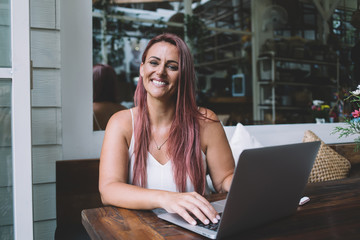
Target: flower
[320, 110]
[356, 114]
[353, 124]
[317, 102]
[357, 91]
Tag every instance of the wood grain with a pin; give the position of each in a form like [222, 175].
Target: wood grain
[348, 151]
[332, 213]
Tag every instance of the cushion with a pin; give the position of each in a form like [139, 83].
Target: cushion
[242, 140]
[329, 165]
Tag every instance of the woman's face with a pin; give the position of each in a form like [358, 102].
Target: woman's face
[160, 70]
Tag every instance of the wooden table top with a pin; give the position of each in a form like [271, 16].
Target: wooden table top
[332, 213]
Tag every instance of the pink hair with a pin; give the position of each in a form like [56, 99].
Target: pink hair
[184, 146]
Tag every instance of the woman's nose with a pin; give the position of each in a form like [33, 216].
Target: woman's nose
[161, 69]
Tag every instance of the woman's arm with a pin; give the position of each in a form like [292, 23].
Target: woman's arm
[218, 153]
[113, 177]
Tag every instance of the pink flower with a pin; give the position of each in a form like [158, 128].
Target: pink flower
[356, 113]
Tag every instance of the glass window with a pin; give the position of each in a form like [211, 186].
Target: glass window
[218, 34]
[5, 34]
[6, 193]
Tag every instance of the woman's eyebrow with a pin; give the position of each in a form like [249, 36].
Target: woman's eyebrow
[154, 57]
[172, 61]
[169, 61]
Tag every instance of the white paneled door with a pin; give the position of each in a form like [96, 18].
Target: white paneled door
[16, 217]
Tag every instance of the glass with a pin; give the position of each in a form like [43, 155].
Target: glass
[221, 51]
[6, 193]
[5, 34]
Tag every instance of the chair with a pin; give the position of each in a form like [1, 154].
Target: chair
[76, 189]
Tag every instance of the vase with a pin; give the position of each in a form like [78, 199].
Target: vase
[320, 120]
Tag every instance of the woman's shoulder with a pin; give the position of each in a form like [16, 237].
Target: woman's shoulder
[208, 115]
[121, 121]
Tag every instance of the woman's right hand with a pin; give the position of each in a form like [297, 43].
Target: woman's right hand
[189, 205]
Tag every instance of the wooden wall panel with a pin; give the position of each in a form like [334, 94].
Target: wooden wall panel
[57, 17]
[6, 209]
[42, 13]
[5, 92]
[5, 167]
[45, 129]
[44, 160]
[5, 127]
[5, 51]
[44, 201]
[7, 232]
[45, 48]
[44, 230]
[46, 112]
[46, 90]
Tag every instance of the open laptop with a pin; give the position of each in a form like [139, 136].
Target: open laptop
[267, 185]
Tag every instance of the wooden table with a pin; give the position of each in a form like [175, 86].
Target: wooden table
[332, 213]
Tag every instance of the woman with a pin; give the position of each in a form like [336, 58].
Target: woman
[156, 155]
[104, 95]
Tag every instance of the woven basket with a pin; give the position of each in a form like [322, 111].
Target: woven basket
[329, 165]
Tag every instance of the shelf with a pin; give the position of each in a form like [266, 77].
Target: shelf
[223, 46]
[296, 60]
[298, 84]
[229, 100]
[218, 61]
[320, 77]
[280, 107]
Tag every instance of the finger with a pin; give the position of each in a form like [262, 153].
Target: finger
[186, 216]
[207, 208]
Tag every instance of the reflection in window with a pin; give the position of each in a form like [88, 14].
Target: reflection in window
[6, 193]
[217, 32]
[5, 37]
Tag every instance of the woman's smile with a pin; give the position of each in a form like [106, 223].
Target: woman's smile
[159, 82]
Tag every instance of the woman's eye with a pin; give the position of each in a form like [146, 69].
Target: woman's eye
[173, 67]
[154, 63]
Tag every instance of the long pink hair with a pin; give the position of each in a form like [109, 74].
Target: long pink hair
[184, 146]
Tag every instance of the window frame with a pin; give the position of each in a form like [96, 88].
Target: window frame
[19, 73]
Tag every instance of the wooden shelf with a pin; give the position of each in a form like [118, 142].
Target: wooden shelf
[203, 64]
[229, 100]
[268, 56]
[300, 84]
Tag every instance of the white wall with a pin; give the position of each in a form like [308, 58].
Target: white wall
[79, 140]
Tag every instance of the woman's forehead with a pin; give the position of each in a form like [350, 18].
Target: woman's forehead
[163, 50]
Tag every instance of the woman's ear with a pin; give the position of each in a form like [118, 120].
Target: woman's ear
[141, 70]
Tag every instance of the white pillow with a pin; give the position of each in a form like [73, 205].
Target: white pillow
[242, 140]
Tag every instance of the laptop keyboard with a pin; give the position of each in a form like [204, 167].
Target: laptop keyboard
[210, 226]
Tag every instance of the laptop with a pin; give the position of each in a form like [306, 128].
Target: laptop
[268, 184]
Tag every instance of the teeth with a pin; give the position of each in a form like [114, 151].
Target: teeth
[158, 82]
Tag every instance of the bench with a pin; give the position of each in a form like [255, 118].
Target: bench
[76, 189]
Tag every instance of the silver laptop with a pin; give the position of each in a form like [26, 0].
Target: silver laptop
[267, 185]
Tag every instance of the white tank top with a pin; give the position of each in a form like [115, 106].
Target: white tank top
[158, 176]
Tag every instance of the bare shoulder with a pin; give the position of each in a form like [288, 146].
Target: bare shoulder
[121, 123]
[209, 124]
[209, 116]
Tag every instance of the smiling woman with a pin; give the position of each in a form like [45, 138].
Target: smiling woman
[156, 154]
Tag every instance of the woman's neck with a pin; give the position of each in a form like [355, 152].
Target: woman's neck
[161, 113]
